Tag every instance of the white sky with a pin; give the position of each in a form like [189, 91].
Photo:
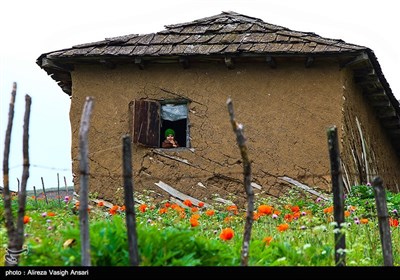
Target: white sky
[30, 28]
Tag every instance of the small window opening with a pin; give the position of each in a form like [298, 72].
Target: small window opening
[174, 116]
[150, 119]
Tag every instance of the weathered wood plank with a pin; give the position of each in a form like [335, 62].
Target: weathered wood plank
[225, 201]
[304, 187]
[185, 161]
[178, 194]
[254, 185]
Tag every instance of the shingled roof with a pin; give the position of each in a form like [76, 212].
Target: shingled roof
[231, 37]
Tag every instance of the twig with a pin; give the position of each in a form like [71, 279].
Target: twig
[25, 176]
[129, 201]
[35, 194]
[44, 191]
[6, 192]
[58, 189]
[241, 140]
[84, 178]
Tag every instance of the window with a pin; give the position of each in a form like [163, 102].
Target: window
[151, 118]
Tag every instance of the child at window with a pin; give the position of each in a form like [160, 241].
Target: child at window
[169, 141]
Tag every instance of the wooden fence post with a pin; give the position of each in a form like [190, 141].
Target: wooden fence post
[338, 196]
[84, 173]
[66, 189]
[35, 194]
[241, 141]
[129, 201]
[383, 220]
[25, 175]
[44, 190]
[58, 189]
[15, 233]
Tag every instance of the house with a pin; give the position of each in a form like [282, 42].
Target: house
[287, 88]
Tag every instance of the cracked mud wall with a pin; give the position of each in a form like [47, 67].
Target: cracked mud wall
[285, 113]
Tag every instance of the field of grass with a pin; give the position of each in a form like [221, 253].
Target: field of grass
[292, 231]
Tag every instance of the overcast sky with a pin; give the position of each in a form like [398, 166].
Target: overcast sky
[30, 28]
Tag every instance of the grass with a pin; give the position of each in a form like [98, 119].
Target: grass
[292, 231]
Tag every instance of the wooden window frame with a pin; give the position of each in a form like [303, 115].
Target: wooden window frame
[146, 121]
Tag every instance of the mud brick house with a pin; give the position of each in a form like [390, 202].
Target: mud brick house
[287, 88]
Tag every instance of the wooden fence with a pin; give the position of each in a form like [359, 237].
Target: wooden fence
[16, 233]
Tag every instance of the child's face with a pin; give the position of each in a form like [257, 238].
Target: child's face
[170, 137]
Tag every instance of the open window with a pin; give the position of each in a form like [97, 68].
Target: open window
[151, 118]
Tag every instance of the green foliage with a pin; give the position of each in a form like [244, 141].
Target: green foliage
[169, 239]
[109, 246]
[181, 247]
[362, 192]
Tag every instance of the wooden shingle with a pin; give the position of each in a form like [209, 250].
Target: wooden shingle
[214, 38]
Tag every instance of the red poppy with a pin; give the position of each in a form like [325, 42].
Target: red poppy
[282, 227]
[265, 209]
[187, 202]
[267, 240]
[227, 234]
[194, 222]
[210, 212]
[393, 222]
[26, 219]
[142, 208]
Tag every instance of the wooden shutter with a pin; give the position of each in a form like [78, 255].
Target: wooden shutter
[146, 122]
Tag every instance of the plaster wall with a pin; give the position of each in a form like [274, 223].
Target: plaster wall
[285, 112]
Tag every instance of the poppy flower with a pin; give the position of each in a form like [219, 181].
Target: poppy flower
[194, 222]
[142, 208]
[210, 212]
[267, 240]
[227, 234]
[393, 222]
[114, 210]
[265, 209]
[328, 209]
[282, 227]
[26, 219]
[187, 202]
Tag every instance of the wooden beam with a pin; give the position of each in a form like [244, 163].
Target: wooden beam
[139, 62]
[376, 94]
[47, 63]
[391, 122]
[366, 79]
[185, 161]
[271, 61]
[224, 201]
[309, 61]
[108, 64]
[381, 103]
[387, 113]
[368, 71]
[255, 185]
[395, 132]
[362, 58]
[304, 187]
[185, 62]
[178, 194]
[229, 62]
[61, 76]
